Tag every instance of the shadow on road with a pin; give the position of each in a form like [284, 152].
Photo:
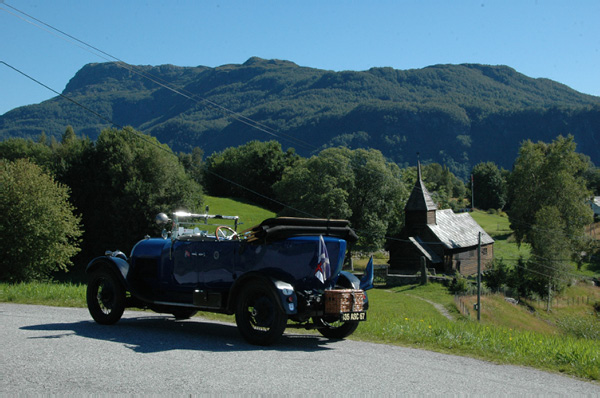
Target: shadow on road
[150, 334]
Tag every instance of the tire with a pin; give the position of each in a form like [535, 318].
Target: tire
[183, 313]
[333, 329]
[105, 297]
[258, 315]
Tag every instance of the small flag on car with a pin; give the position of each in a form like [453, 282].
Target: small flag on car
[323, 270]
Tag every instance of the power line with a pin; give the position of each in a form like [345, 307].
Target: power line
[162, 83]
[142, 137]
[145, 139]
[182, 92]
[517, 261]
[61, 95]
[157, 80]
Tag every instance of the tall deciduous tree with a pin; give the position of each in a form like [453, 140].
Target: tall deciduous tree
[39, 233]
[550, 251]
[548, 175]
[358, 185]
[131, 178]
[489, 187]
[117, 184]
[548, 201]
[248, 171]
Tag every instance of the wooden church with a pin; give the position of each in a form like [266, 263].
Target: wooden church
[448, 241]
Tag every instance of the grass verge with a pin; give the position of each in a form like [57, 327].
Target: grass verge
[397, 317]
[401, 316]
[44, 293]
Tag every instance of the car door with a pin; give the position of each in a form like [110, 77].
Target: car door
[216, 270]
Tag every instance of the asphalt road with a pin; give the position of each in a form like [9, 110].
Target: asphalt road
[49, 350]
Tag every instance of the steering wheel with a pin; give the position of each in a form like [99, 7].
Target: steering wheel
[226, 233]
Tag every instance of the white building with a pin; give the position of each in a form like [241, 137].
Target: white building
[596, 205]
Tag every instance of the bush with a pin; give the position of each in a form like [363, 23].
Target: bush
[497, 276]
[459, 285]
[38, 232]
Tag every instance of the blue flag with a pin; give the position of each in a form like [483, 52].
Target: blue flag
[366, 282]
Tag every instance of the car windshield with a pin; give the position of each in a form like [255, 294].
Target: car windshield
[201, 225]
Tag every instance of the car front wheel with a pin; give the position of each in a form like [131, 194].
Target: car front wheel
[258, 316]
[105, 297]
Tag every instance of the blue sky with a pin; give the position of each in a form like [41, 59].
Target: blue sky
[559, 40]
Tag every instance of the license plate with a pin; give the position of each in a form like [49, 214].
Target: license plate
[353, 316]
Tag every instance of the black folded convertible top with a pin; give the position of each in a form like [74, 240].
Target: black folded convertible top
[285, 227]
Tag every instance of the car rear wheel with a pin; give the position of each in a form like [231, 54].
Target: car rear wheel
[258, 316]
[105, 297]
[330, 326]
[335, 329]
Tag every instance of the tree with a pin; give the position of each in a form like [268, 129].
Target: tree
[377, 197]
[318, 186]
[548, 175]
[521, 277]
[550, 251]
[39, 233]
[592, 177]
[193, 164]
[446, 189]
[496, 275]
[20, 148]
[130, 177]
[548, 207]
[489, 186]
[357, 185]
[248, 171]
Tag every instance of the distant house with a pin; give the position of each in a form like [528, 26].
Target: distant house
[447, 241]
[595, 202]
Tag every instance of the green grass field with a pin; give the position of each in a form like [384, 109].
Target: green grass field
[498, 227]
[249, 214]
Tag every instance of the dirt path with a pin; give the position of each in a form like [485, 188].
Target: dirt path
[437, 306]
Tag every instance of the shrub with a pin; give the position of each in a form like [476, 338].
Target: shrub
[459, 285]
[39, 233]
[497, 275]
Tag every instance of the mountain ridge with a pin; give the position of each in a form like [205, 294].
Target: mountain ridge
[448, 113]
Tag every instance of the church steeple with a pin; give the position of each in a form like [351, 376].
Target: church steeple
[420, 207]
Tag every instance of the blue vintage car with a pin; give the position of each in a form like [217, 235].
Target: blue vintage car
[285, 272]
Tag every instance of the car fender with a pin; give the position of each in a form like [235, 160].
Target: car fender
[117, 265]
[351, 281]
[287, 299]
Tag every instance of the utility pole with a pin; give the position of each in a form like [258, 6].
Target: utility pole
[479, 278]
[472, 193]
[549, 295]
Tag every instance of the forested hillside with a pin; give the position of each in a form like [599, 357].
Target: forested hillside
[458, 115]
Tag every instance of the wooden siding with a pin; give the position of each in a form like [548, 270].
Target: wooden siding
[465, 261]
[405, 259]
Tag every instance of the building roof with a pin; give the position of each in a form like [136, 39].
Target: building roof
[425, 250]
[420, 198]
[457, 231]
